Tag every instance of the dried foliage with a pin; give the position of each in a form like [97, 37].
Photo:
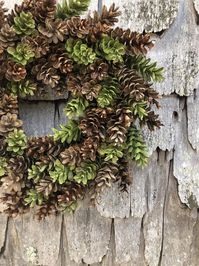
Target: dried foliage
[107, 74]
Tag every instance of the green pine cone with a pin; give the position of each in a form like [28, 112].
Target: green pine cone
[80, 52]
[23, 88]
[33, 198]
[24, 24]
[16, 141]
[36, 172]
[76, 107]
[85, 172]
[22, 54]
[139, 109]
[71, 8]
[110, 152]
[108, 93]
[136, 147]
[3, 165]
[61, 173]
[112, 49]
[68, 133]
[147, 69]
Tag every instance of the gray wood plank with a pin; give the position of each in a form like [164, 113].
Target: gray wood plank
[88, 234]
[38, 117]
[146, 15]
[177, 51]
[30, 242]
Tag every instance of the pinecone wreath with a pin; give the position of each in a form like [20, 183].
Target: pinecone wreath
[109, 79]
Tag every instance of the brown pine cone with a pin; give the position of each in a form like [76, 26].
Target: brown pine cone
[132, 85]
[135, 42]
[123, 174]
[15, 204]
[42, 149]
[2, 146]
[46, 73]
[71, 156]
[77, 27]
[46, 209]
[118, 125]
[102, 23]
[8, 123]
[15, 72]
[107, 174]
[61, 61]
[135, 88]
[12, 182]
[81, 85]
[2, 14]
[44, 9]
[98, 70]
[46, 186]
[7, 36]
[8, 104]
[54, 31]
[18, 165]
[92, 125]
[89, 148]
[38, 43]
[70, 193]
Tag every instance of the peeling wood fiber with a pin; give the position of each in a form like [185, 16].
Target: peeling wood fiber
[156, 223]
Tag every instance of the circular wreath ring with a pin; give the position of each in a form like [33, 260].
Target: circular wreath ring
[108, 77]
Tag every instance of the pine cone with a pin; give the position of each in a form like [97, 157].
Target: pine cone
[98, 70]
[24, 24]
[107, 174]
[46, 73]
[54, 31]
[118, 126]
[70, 193]
[71, 156]
[2, 14]
[2, 146]
[22, 54]
[123, 174]
[112, 49]
[92, 125]
[46, 186]
[135, 42]
[15, 72]
[107, 16]
[85, 172]
[15, 204]
[38, 43]
[83, 86]
[80, 52]
[77, 27]
[109, 93]
[46, 209]
[61, 61]
[8, 104]
[16, 142]
[18, 165]
[7, 36]
[133, 86]
[89, 148]
[44, 9]
[8, 123]
[12, 182]
[42, 149]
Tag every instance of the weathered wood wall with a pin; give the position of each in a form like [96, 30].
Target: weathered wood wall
[157, 222]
